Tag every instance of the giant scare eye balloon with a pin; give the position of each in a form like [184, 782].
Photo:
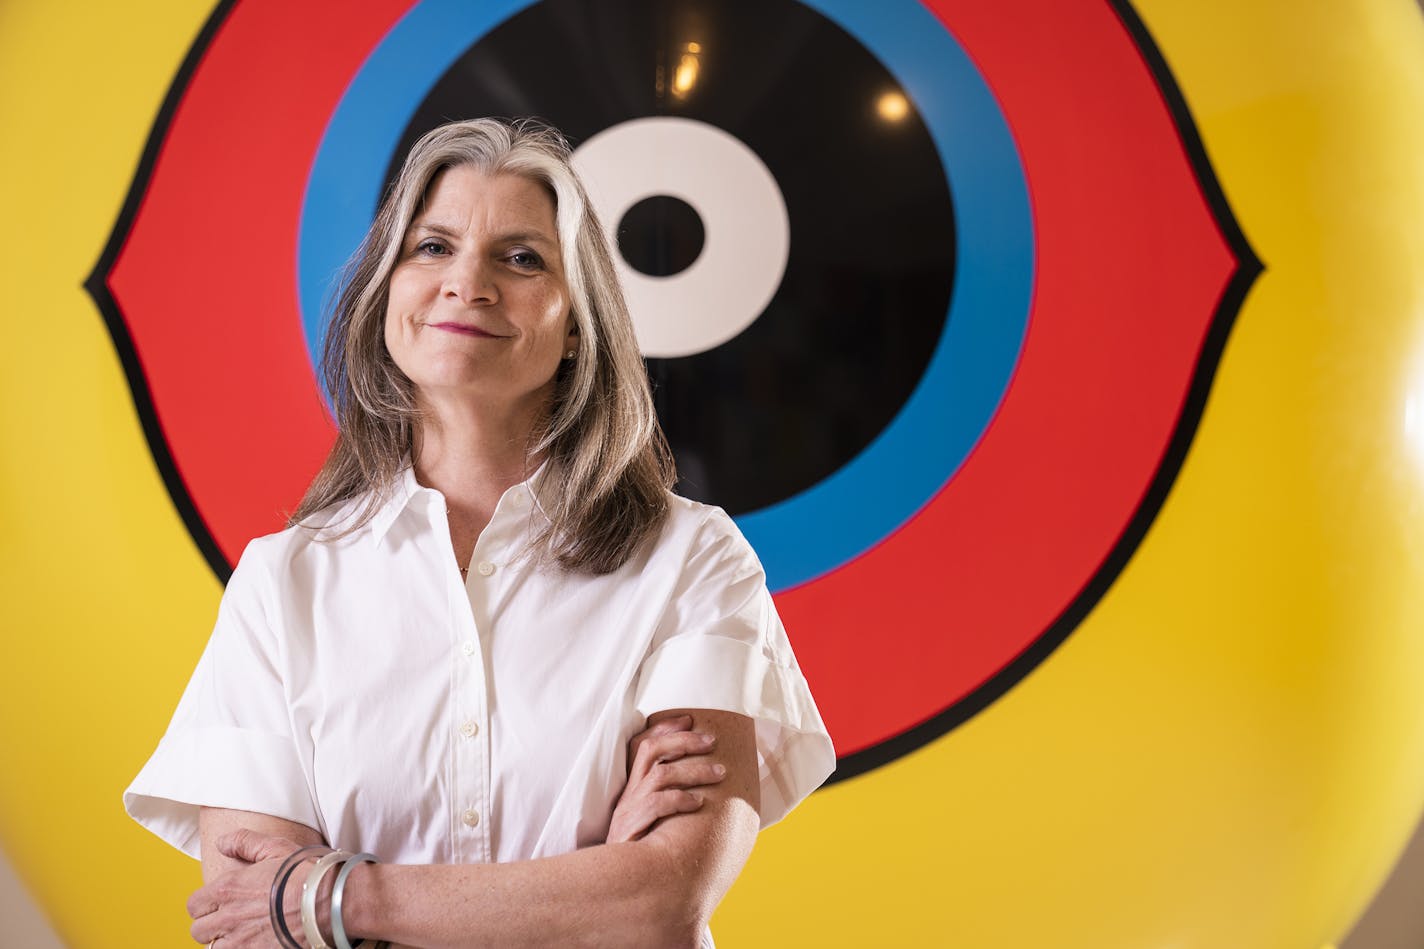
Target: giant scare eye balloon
[1056, 357]
[891, 392]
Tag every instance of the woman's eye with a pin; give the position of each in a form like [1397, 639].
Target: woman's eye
[526, 259]
[434, 248]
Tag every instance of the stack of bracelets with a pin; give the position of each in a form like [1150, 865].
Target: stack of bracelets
[331, 858]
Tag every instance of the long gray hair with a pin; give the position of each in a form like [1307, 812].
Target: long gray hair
[608, 466]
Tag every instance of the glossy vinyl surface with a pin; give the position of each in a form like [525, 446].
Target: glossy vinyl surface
[1220, 752]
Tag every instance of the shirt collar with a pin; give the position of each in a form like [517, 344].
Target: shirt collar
[398, 495]
[406, 489]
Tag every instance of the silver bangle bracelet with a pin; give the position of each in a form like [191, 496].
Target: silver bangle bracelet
[309, 888]
[338, 925]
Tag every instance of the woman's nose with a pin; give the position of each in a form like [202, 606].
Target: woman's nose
[471, 281]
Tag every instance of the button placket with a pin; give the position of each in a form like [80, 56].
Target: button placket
[469, 708]
[468, 743]
[470, 790]
[470, 719]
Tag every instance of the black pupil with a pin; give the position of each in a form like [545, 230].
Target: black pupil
[660, 236]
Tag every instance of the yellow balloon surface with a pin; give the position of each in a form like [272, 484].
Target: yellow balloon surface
[1223, 754]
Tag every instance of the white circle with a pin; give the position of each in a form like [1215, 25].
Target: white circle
[747, 231]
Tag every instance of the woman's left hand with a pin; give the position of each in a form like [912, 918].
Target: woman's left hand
[233, 908]
[666, 760]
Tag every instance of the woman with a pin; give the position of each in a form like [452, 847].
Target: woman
[487, 591]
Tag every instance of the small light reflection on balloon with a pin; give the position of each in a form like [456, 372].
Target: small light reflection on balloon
[893, 106]
[1414, 411]
[1414, 420]
[685, 76]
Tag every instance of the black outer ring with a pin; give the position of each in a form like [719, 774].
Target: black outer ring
[97, 286]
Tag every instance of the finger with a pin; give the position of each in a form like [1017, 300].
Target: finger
[202, 902]
[667, 748]
[252, 847]
[647, 753]
[685, 773]
[205, 930]
[678, 723]
[668, 803]
[663, 804]
[672, 747]
[664, 727]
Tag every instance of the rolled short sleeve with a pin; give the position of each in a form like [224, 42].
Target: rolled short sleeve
[720, 645]
[230, 743]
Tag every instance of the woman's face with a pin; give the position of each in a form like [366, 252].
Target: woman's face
[479, 307]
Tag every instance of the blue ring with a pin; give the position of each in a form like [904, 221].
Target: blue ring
[900, 471]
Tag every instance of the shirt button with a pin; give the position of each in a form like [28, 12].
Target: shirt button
[468, 649]
[470, 729]
[485, 568]
[471, 817]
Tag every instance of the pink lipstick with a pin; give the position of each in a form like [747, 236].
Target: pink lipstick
[462, 328]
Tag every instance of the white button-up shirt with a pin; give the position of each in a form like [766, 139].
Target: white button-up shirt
[362, 688]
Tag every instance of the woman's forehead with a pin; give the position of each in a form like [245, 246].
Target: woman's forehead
[467, 189]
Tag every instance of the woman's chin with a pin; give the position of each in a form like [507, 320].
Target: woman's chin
[481, 392]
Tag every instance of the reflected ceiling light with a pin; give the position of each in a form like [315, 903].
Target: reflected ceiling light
[1414, 416]
[685, 77]
[893, 106]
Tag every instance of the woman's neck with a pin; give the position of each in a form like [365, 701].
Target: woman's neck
[472, 457]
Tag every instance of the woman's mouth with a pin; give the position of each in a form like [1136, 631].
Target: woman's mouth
[462, 328]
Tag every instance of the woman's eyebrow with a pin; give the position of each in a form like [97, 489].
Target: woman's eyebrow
[526, 237]
[434, 227]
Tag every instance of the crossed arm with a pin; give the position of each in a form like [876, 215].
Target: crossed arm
[657, 890]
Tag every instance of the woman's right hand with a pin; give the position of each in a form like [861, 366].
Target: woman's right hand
[666, 764]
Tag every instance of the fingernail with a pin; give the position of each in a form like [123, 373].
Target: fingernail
[719, 770]
[707, 739]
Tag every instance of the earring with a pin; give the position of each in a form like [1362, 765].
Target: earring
[571, 354]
